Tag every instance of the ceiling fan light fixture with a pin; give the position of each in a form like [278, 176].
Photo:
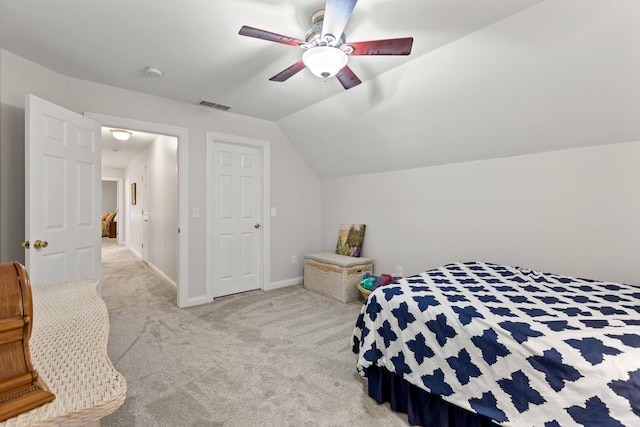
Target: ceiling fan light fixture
[324, 61]
[120, 135]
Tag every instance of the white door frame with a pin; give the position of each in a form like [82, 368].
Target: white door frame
[183, 192]
[265, 259]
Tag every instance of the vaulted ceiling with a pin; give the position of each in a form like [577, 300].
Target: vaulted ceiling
[485, 79]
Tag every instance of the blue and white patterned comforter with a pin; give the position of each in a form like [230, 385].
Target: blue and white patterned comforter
[521, 347]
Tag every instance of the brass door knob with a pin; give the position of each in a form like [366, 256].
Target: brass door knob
[256, 226]
[40, 244]
[25, 244]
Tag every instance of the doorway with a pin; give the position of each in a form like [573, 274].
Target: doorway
[149, 163]
[112, 197]
[180, 134]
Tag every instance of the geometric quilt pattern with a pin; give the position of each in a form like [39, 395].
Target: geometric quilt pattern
[516, 345]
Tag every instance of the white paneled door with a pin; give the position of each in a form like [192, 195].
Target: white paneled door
[235, 194]
[63, 194]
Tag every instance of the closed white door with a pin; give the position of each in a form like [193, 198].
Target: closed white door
[63, 194]
[235, 199]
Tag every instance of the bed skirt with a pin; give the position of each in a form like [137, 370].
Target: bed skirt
[423, 408]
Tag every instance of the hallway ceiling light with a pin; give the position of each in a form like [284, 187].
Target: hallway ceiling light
[120, 135]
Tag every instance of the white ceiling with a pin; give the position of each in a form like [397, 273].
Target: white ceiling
[486, 78]
[118, 154]
[196, 43]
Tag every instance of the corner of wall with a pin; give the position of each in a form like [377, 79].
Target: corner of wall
[11, 174]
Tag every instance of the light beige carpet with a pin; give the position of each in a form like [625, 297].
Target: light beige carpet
[275, 358]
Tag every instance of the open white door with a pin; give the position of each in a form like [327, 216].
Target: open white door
[63, 194]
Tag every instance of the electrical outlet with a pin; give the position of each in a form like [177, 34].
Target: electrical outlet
[399, 271]
[294, 259]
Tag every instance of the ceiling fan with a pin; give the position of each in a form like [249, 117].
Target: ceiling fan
[325, 47]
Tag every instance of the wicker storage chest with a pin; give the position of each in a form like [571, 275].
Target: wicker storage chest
[335, 276]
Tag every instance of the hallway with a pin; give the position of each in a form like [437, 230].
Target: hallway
[124, 274]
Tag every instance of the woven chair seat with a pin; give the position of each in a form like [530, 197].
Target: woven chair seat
[69, 350]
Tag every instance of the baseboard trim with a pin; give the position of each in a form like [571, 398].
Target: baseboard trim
[133, 251]
[284, 283]
[153, 267]
[162, 274]
[197, 301]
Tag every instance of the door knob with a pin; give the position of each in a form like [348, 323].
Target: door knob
[256, 226]
[25, 244]
[40, 244]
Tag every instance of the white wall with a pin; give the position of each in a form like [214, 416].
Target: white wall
[112, 172]
[161, 158]
[295, 189]
[12, 198]
[133, 175]
[574, 212]
[163, 182]
[109, 196]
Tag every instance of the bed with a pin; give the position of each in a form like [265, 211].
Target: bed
[107, 218]
[479, 344]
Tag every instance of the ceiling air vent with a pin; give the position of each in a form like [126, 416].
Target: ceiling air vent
[214, 105]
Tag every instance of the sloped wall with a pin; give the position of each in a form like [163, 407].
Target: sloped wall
[559, 75]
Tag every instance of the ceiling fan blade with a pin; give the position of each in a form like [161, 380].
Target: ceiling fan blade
[269, 36]
[383, 47]
[336, 16]
[285, 74]
[347, 78]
